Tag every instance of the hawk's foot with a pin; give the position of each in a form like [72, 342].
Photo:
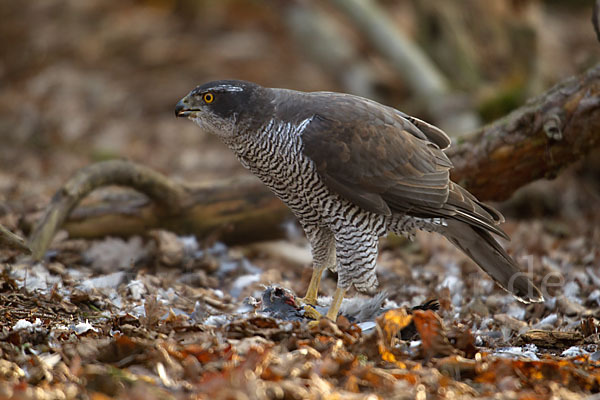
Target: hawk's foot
[310, 312]
[310, 300]
[313, 324]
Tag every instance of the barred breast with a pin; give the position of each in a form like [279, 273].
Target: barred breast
[275, 156]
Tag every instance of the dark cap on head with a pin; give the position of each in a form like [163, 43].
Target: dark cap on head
[243, 102]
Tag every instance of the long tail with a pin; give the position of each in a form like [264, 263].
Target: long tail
[479, 244]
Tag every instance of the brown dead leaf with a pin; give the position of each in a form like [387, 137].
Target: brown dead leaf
[590, 326]
[235, 376]
[512, 323]
[351, 384]
[170, 248]
[206, 352]
[372, 377]
[461, 338]
[392, 322]
[457, 367]
[351, 333]
[265, 327]
[531, 373]
[124, 350]
[99, 396]
[153, 310]
[434, 341]
[408, 376]
[325, 326]
[263, 323]
[572, 308]
[389, 326]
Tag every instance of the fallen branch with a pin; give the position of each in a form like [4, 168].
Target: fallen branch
[535, 141]
[158, 187]
[551, 339]
[238, 210]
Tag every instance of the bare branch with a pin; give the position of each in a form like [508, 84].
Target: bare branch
[115, 172]
[535, 141]
[236, 210]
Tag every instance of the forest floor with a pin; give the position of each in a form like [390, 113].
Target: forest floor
[163, 316]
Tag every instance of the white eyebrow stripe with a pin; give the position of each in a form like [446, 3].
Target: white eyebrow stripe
[228, 88]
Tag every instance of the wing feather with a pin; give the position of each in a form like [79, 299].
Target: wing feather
[388, 162]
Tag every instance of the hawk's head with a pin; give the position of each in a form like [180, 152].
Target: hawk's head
[222, 107]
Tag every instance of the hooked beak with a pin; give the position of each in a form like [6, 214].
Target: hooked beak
[182, 108]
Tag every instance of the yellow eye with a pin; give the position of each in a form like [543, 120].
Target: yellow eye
[208, 98]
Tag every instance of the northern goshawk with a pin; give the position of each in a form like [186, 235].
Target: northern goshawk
[351, 170]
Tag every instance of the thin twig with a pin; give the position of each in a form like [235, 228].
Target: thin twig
[12, 241]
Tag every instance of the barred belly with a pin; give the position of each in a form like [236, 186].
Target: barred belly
[327, 218]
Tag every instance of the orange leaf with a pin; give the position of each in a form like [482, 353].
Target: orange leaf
[393, 321]
[433, 337]
[388, 326]
[99, 396]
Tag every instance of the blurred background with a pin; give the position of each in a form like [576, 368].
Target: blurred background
[83, 81]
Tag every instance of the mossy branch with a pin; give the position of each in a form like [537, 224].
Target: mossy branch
[535, 141]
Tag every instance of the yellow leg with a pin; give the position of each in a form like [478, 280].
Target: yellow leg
[313, 286]
[336, 303]
[310, 312]
[332, 313]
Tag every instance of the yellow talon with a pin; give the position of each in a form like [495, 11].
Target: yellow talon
[308, 300]
[332, 313]
[310, 312]
[313, 324]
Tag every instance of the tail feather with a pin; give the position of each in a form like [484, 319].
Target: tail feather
[482, 248]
